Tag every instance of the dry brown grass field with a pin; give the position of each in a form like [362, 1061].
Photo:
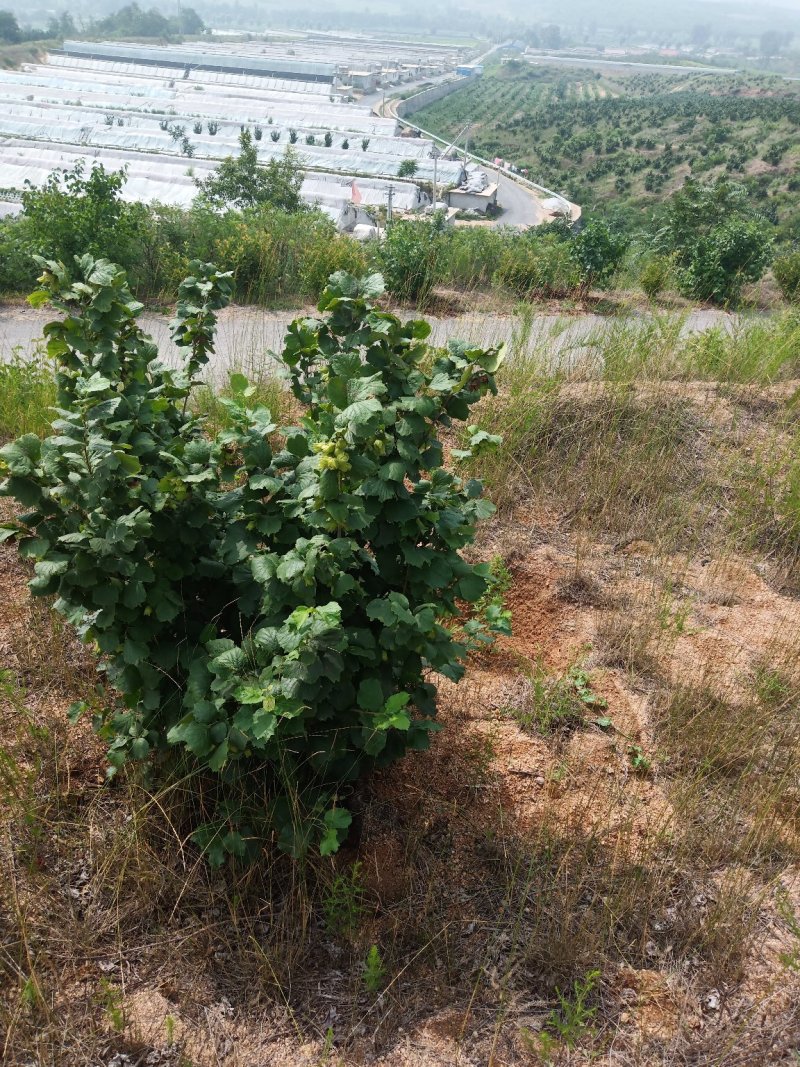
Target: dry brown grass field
[597, 862]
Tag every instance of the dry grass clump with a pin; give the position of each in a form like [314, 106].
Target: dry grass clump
[733, 760]
[612, 461]
[118, 940]
[626, 642]
[583, 588]
[661, 347]
[767, 481]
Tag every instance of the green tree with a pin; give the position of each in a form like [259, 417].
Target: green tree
[134, 21]
[407, 168]
[772, 42]
[187, 21]
[598, 251]
[701, 34]
[60, 26]
[242, 182]
[787, 274]
[78, 211]
[409, 256]
[551, 37]
[9, 28]
[716, 240]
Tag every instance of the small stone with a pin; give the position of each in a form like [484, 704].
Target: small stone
[711, 1000]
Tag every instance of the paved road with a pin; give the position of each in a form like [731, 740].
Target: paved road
[520, 206]
[374, 100]
[247, 335]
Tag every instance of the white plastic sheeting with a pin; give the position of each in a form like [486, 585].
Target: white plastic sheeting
[219, 103]
[371, 192]
[224, 142]
[53, 114]
[316, 157]
[156, 179]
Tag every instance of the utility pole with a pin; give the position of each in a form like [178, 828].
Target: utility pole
[389, 205]
[435, 173]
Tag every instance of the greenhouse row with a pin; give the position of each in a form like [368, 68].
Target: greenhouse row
[212, 101]
[152, 179]
[167, 125]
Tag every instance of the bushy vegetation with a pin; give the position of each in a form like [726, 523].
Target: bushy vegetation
[787, 275]
[709, 241]
[242, 182]
[131, 20]
[715, 239]
[274, 250]
[271, 611]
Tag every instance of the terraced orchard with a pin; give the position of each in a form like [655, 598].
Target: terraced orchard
[633, 139]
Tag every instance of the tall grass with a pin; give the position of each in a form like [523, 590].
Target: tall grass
[662, 346]
[209, 402]
[27, 394]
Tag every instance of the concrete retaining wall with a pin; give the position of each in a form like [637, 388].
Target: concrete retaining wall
[420, 100]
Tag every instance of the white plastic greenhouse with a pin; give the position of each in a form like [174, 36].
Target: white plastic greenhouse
[169, 121]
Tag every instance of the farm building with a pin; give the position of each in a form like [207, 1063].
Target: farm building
[364, 80]
[475, 193]
[220, 62]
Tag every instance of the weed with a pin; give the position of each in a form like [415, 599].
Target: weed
[27, 395]
[608, 460]
[31, 994]
[556, 705]
[110, 999]
[490, 610]
[343, 902]
[480, 754]
[785, 909]
[628, 641]
[541, 1044]
[575, 1014]
[169, 1027]
[768, 505]
[374, 970]
[214, 407]
[638, 760]
[582, 588]
[583, 689]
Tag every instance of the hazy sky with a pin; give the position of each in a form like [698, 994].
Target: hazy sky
[661, 17]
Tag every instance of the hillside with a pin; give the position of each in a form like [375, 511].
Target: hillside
[597, 860]
[624, 142]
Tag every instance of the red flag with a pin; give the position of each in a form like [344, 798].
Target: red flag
[355, 193]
